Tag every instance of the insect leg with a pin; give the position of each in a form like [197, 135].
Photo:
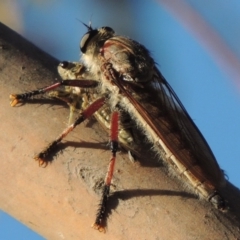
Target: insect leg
[98, 224]
[16, 98]
[88, 112]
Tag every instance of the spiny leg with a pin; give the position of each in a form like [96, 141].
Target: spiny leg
[88, 112]
[99, 222]
[16, 98]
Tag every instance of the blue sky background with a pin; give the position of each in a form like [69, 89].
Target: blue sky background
[208, 87]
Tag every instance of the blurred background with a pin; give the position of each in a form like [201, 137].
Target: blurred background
[195, 43]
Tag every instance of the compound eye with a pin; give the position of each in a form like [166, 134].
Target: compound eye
[86, 39]
[108, 29]
[64, 64]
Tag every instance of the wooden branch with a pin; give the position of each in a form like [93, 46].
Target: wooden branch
[60, 201]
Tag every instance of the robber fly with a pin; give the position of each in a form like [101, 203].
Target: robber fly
[79, 98]
[117, 75]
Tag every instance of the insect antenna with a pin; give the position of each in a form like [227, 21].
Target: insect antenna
[89, 26]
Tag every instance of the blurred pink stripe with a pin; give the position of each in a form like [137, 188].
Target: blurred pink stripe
[209, 38]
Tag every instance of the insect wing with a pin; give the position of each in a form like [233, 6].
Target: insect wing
[162, 110]
[182, 136]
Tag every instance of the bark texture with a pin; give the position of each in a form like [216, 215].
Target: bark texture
[60, 201]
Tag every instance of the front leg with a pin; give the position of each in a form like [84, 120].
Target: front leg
[88, 112]
[17, 98]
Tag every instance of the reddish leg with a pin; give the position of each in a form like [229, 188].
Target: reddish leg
[98, 224]
[88, 112]
[16, 98]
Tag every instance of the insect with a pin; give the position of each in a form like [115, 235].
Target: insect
[80, 98]
[116, 75]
